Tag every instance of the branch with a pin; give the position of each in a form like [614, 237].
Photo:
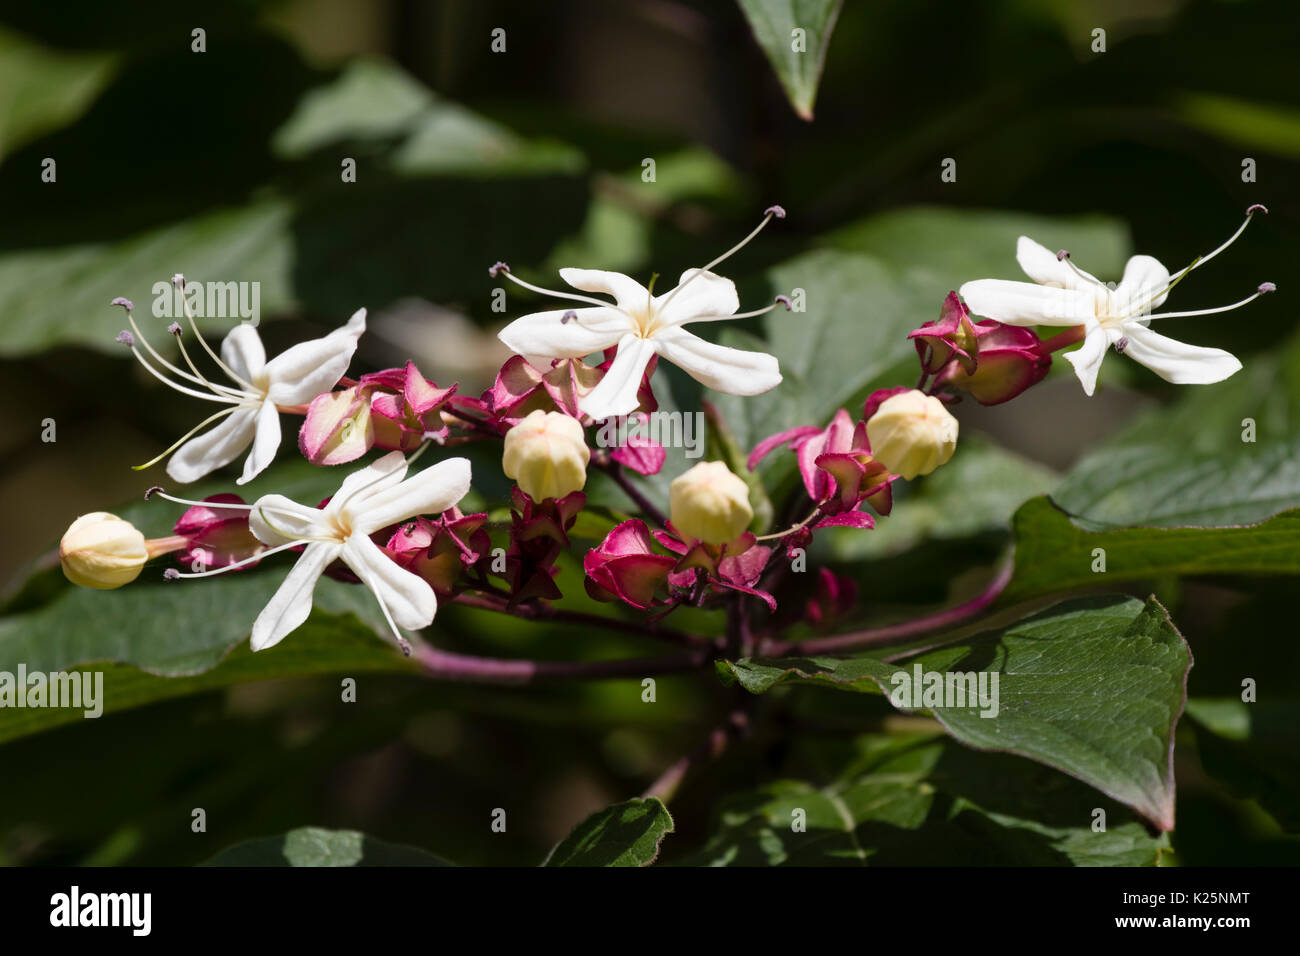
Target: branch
[714, 745]
[543, 612]
[904, 631]
[444, 665]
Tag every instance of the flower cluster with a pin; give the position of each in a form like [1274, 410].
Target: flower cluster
[578, 367]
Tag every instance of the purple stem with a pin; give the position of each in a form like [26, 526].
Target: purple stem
[897, 633]
[444, 665]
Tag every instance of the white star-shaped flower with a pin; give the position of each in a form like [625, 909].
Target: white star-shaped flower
[260, 390]
[642, 324]
[1064, 295]
[373, 498]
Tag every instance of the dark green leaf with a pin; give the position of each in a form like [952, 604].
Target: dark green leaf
[626, 834]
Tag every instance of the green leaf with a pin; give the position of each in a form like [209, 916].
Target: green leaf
[1253, 749]
[978, 491]
[798, 66]
[325, 644]
[42, 89]
[1054, 554]
[1092, 687]
[917, 800]
[1190, 465]
[315, 846]
[626, 834]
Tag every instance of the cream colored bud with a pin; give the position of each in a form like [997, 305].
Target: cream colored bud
[100, 550]
[710, 503]
[912, 434]
[546, 454]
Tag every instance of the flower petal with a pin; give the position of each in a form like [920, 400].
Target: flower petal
[431, 491]
[627, 292]
[699, 295]
[243, 351]
[266, 442]
[1144, 276]
[276, 520]
[1176, 361]
[407, 596]
[215, 448]
[1086, 359]
[299, 374]
[291, 604]
[543, 336]
[1042, 265]
[617, 392]
[724, 369]
[1024, 303]
[378, 476]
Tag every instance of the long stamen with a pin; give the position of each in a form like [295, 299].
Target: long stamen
[157, 357]
[502, 269]
[781, 300]
[1200, 260]
[1064, 256]
[175, 330]
[402, 642]
[1264, 289]
[184, 390]
[772, 212]
[171, 574]
[186, 437]
[185, 304]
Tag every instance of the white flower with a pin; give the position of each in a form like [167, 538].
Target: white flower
[368, 500]
[642, 325]
[293, 378]
[1120, 316]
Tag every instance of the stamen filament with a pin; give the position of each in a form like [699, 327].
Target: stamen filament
[184, 390]
[244, 561]
[184, 438]
[1224, 308]
[558, 295]
[219, 389]
[1199, 261]
[767, 217]
[185, 303]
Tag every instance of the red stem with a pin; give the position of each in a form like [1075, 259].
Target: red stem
[444, 665]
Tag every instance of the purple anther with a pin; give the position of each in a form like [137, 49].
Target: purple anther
[125, 338]
[776, 212]
[568, 317]
[171, 574]
[1265, 287]
[149, 494]
[1257, 208]
[497, 269]
[1063, 255]
[174, 328]
[785, 301]
[124, 303]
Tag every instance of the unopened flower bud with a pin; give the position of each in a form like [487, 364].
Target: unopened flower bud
[546, 454]
[710, 503]
[912, 434]
[103, 551]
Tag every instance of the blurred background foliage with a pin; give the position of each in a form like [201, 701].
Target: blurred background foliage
[225, 165]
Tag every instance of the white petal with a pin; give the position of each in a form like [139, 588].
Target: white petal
[291, 604]
[378, 476]
[1087, 358]
[1144, 276]
[627, 292]
[299, 374]
[408, 597]
[242, 350]
[1176, 361]
[543, 336]
[1024, 303]
[276, 520]
[698, 294]
[215, 448]
[1042, 265]
[616, 392]
[266, 443]
[428, 492]
[724, 369]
